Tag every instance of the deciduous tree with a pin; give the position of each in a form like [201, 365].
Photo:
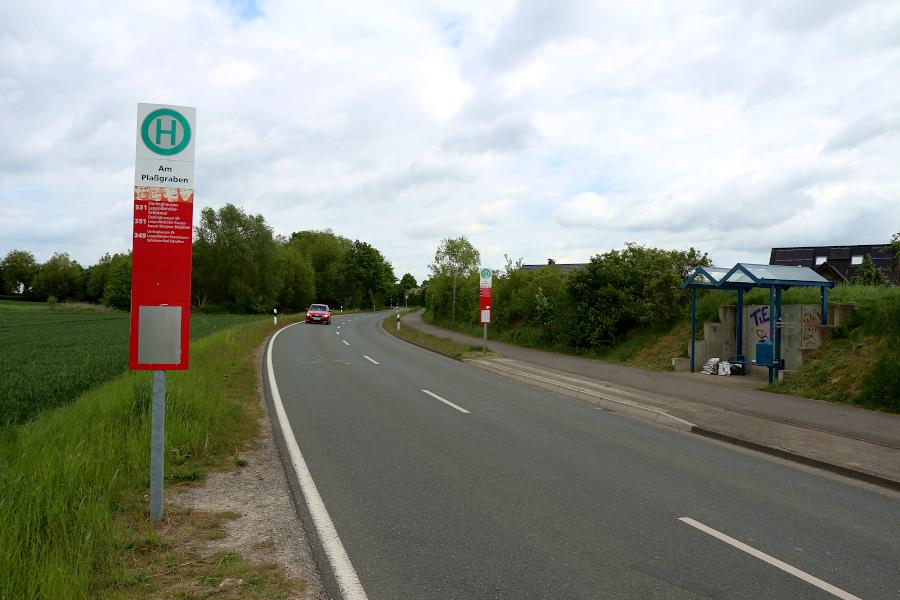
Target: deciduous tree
[454, 258]
[19, 270]
[370, 278]
[234, 260]
[60, 277]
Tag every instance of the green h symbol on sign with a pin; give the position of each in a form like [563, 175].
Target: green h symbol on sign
[176, 118]
[173, 124]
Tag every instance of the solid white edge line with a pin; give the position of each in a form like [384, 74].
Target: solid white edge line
[346, 343]
[823, 585]
[344, 573]
[447, 402]
[371, 360]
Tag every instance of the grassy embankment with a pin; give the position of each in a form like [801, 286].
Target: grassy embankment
[73, 485]
[442, 345]
[649, 349]
[52, 353]
[861, 363]
[859, 366]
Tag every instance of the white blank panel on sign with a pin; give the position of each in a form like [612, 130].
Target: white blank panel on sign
[485, 316]
[159, 335]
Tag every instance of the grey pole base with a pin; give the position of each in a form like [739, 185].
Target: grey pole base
[157, 445]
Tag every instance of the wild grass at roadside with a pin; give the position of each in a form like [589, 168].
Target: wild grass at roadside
[651, 348]
[861, 364]
[443, 345]
[73, 479]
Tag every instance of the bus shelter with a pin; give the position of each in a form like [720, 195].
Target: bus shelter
[746, 276]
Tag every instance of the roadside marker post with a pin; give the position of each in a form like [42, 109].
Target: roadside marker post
[398, 318]
[159, 336]
[485, 282]
[275, 316]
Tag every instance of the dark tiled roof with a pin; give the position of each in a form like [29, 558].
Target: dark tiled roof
[840, 258]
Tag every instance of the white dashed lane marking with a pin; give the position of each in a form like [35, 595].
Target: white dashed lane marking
[447, 402]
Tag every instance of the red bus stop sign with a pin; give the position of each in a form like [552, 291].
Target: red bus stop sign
[162, 232]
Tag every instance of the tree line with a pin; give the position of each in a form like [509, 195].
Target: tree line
[238, 265]
[616, 293]
[594, 307]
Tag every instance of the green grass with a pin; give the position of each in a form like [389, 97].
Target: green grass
[861, 365]
[651, 349]
[446, 346]
[50, 355]
[72, 479]
[708, 303]
[528, 336]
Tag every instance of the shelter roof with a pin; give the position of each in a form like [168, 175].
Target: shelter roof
[750, 275]
[705, 277]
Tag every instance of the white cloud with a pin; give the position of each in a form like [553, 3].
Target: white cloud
[539, 130]
[494, 213]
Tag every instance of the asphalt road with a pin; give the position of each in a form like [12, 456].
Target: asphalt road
[527, 495]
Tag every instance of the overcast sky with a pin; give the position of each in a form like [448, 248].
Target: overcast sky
[537, 129]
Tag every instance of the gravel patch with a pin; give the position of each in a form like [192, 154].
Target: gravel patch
[268, 528]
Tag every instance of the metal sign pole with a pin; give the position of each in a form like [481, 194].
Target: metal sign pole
[484, 339]
[157, 445]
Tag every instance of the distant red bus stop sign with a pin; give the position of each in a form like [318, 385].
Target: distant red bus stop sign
[485, 277]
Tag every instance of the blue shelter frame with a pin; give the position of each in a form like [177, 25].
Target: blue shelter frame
[746, 276]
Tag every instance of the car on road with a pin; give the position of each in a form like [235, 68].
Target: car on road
[318, 313]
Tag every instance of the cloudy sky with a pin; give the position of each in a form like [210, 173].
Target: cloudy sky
[537, 129]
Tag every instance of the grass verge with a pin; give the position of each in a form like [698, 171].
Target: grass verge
[861, 364]
[442, 345]
[651, 349]
[51, 355]
[73, 481]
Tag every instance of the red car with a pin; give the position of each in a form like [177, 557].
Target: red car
[319, 313]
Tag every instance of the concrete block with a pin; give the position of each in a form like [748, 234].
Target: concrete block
[700, 356]
[786, 374]
[712, 335]
[681, 365]
[839, 313]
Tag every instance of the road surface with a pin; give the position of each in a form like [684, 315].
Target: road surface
[444, 481]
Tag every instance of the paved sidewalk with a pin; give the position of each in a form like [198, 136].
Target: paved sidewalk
[853, 441]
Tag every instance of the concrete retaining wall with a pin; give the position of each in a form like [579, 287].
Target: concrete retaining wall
[802, 331]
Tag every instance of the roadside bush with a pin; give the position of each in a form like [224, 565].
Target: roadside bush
[624, 290]
[619, 292]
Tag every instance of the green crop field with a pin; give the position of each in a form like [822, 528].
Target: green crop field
[50, 355]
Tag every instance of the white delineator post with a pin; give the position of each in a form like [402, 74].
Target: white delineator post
[275, 316]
